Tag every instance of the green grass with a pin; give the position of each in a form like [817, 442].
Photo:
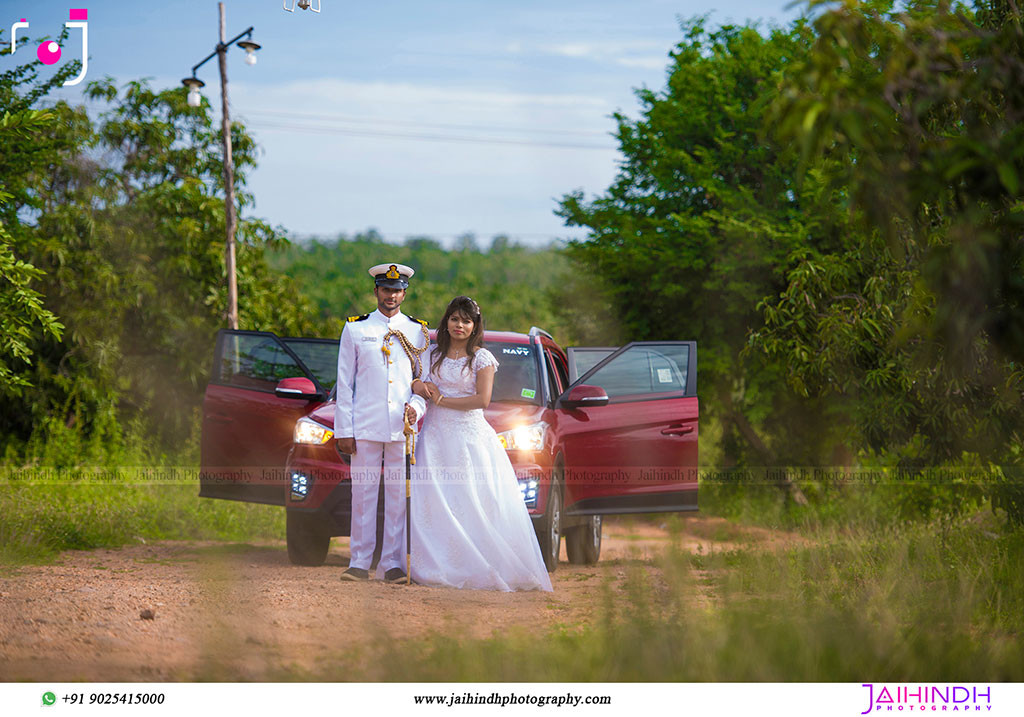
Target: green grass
[864, 506]
[40, 519]
[905, 605]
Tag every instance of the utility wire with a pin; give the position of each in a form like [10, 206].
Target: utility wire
[271, 125]
[315, 129]
[409, 123]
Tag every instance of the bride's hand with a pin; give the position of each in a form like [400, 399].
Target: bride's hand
[425, 389]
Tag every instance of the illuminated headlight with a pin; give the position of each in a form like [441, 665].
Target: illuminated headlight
[529, 490]
[309, 431]
[300, 486]
[524, 438]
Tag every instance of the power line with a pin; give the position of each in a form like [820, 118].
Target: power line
[403, 236]
[433, 125]
[262, 124]
[437, 137]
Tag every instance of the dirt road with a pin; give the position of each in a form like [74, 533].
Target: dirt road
[220, 611]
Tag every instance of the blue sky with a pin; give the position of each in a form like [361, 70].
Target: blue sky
[409, 117]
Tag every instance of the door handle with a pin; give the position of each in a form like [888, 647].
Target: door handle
[677, 431]
[220, 419]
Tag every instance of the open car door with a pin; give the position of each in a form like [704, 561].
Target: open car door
[247, 426]
[636, 452]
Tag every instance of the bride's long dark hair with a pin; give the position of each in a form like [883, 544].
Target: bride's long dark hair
[469, 309]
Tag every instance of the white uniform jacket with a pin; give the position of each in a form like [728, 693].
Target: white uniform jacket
[373, 388]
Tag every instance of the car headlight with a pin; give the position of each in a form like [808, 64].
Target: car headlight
[309, 431]
[524, 438]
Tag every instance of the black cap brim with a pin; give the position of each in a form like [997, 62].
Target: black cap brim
[393, 283]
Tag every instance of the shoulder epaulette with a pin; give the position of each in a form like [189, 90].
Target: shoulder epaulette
[419, 321]
[363, 317]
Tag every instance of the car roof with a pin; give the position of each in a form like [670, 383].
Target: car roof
[510, 337]
[506, 337]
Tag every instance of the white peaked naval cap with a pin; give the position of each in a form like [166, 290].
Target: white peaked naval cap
[394, 276]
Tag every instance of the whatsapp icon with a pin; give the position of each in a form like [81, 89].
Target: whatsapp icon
[49, 698]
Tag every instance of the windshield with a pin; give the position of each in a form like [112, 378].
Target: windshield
[516, 377]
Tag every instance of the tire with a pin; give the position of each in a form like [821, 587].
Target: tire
[583, 542]
[549, 532]
[308, 539]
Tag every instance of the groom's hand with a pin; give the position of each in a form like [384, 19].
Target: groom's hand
[347, 445]
[410, 415]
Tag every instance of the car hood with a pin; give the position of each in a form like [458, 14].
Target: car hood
[502, 416]
[506, 416]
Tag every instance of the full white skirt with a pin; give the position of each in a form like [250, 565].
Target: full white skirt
[470, 527]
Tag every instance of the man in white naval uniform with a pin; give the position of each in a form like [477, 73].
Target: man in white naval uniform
[374, 390]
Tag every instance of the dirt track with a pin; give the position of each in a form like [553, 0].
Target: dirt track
[241, 612]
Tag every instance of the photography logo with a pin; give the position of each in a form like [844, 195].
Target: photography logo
[49, 52]
[927, 698]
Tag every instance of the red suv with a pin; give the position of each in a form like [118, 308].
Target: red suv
[591, 431]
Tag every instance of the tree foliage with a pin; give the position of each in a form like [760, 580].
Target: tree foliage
[511, 282]
[122, 217]
[834, 211]
[21, 307]
[924, 138]
[700, 220]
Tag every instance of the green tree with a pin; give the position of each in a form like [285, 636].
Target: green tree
[125, 215]
[21, 307]
[27, 146]
[913, 119]
[697, 226]
[511, 285]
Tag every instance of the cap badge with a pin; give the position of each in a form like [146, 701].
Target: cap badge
[393, 272]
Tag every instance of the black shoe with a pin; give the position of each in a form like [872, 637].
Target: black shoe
[355, 575]
[395, 575]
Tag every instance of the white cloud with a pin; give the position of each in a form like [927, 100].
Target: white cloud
[340, 94]
[632, 54]
[576, 49]
[408, 158]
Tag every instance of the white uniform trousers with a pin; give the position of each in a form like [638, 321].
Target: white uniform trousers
[366, 472]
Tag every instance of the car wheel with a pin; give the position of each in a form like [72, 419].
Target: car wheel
[583, 542]
[308, 539]
[549, 533]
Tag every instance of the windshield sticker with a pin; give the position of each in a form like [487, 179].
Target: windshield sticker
[664, 375]
[516, 351]
[528, 393]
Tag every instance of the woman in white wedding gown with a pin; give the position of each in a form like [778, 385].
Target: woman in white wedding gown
[470, 526]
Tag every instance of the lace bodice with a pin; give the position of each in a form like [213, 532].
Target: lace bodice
[452, 377]
[456, 381]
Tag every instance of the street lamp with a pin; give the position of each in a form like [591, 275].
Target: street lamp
[250, 48]
[193, 84]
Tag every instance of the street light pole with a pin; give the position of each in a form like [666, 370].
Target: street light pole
[230, 217]
[193, 84]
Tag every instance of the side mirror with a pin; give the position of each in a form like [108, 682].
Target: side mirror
[584, 396]
[300, 388]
